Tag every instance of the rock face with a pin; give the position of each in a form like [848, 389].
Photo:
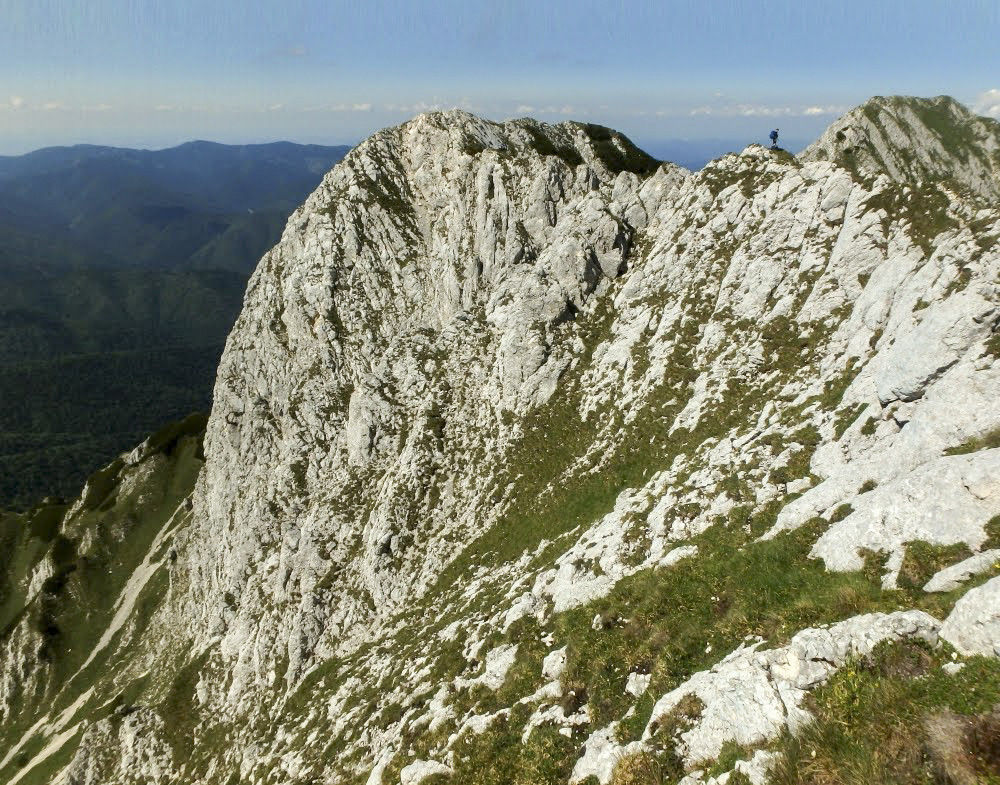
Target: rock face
[496, 387]
[914, 140]
[974, 626]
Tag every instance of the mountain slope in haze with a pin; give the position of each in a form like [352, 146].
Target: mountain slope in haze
[533, 460]
[159, 207]
[121, 273]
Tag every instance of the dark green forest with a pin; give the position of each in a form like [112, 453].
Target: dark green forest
[121, 273]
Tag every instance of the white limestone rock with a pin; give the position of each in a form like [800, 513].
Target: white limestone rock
[947, 501]
[902, 137]
[751, 696]
[601, 754]
[554, 664]
[416, 772]
[973, 626]
[954, 576]
[936, 343]
[637, 683]
[498, 662]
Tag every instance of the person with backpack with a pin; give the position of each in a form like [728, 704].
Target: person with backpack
[774, 138]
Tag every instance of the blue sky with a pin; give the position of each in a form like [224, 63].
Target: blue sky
[154, 74]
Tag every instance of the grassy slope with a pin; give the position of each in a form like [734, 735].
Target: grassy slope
[663, 622]
[94, 553]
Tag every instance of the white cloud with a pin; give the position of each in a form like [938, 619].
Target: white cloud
[524, 109]
[417, 108]
[757, 110]
[988, 104]
[275, 107]
[434, 105]
[359, 107]
[812, 111]
[764, 110]
[551, 109]
[17, 102]
[51, 106]
[96, 107]
[165, 108]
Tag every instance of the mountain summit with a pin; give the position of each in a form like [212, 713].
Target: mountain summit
[534, 460]
[914, 140]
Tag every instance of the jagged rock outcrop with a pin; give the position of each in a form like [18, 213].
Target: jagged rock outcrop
[518, 430]
[914, 140]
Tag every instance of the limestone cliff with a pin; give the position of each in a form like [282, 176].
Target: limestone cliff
[522, 446]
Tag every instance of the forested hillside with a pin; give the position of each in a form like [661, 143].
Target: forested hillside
[121, 273]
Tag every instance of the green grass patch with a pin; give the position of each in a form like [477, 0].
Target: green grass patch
[922, 560]
[617, 152]
[992, 530]
[872, 718]
[676, 621]
[544, 145]
[847, 418]
[498, 756]
[988, 441]
[77, 602]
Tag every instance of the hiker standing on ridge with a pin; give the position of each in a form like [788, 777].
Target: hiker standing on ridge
[774, 138]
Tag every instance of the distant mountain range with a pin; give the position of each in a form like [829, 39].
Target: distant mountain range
[121, 273]
[200, 204]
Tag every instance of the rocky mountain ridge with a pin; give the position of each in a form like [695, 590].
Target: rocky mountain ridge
[533, 460]
[915, 139]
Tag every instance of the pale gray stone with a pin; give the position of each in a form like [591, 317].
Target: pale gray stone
[973, 626]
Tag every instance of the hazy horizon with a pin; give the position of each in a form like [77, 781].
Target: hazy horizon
[131, 74]
[690, 153]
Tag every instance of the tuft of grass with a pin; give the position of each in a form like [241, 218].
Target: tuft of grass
[992, 529]
[668, 730]
[922, 560]
[840, 513]
[993, 345]
[639, 768]
[988, 441]
[847, 418]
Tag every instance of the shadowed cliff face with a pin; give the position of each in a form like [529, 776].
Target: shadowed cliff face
[519, 433]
